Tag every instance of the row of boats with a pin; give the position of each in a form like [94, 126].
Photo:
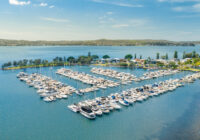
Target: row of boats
[127, 77]
[100, 105]
[48, 89]
[156, 74]
[95, 82]
[114, 74]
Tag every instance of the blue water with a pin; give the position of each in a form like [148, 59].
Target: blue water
[46, 52]
[23, 115]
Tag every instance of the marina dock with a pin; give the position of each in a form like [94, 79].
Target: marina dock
[100, 105]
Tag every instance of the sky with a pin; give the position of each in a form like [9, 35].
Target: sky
[176, 20]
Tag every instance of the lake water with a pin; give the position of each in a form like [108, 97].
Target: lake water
[46, 52]
[23, 115]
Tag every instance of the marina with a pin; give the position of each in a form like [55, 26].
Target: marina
[99, 70]
[127, 77]
[151, 118]
[124, 77]
[156, 74]
[47, 88]
[95, 82]
[96, 107]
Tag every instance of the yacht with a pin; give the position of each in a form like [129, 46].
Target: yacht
[87, 112]
[74, 108]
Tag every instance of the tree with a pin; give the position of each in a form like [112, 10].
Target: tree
[172, 65]
[95, 57]
[175, 54]
[37, 61]
[166, 56]
[132, 65]
[160, 64]
[45, 62]
[140, 56]
[184, 55]
[128, 56]
[25, 62]
[84, 60]
[195, 55]
[89, 54]
[123, 64]
[64, 59]
[71, 59]
[135, 56]
[188, 55]
[157, 56]
[106, 56]
[30, 62]
[15, 63]
[163, 57]
[60, 59]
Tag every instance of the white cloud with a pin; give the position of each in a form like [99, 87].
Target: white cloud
[196, 7]
[138, 22]
[54, 19]
[120, 25]
[52, 6]
[179, 9]
[109, 13]
[118, 3]
[16, 2]
[178, 0]
[43, 4]
[193, 8]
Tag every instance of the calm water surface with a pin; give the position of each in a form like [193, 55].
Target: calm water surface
[47, 52]
[23, 115]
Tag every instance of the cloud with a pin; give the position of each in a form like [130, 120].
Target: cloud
[52, 6]
[21, 3]
[43, 4]
[120, 25]
[118, 3]
[178, 1]
[109, 13]
[138, 22]
[55, 19]
[193, 8]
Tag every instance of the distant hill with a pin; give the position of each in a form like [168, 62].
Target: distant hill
[101, 42]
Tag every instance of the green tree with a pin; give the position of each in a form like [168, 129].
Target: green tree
[140, 56]
[132, 65]
[71, 59]
[95, 57]
[106, 56]
[175, 54]
[172, 65]
[89, 54]
[15, 63]
[135, 56]
[157, 56]
[166, 56]
[160, 64]
[37, 61]
[128, 56]
[163, 57]
[184, 55]
[195, 55]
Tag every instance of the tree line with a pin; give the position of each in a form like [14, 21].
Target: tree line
[57, 61]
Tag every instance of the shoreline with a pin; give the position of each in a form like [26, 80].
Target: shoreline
[98, 45]
[98, 42]
[102, 65]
